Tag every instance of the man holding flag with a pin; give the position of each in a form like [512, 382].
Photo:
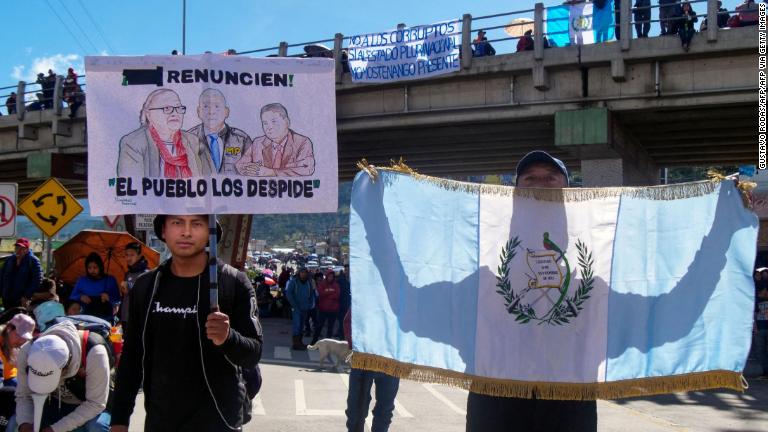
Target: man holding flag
[486, 413]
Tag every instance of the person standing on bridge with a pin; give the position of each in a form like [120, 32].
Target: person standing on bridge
[10, 103]
[667, 18]
[496, 414]
[188, 358]
[642, 15]
[20, 275]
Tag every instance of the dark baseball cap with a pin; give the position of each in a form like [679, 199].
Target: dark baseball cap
[539, 156]
[23, 242]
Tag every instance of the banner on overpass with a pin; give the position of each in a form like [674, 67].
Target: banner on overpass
[406, 53]
[211, 134]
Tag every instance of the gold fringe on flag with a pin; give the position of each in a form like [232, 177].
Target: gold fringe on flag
[665, 192]
[719, 379]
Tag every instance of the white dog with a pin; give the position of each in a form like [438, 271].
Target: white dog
[339, 349]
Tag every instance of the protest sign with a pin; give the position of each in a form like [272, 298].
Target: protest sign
[211, 134]
[406, 53]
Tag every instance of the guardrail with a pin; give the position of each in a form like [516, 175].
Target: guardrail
[514, 25]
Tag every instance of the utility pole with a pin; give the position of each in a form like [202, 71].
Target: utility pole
[184, 27]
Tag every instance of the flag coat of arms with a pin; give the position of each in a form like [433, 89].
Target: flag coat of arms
[558, 293]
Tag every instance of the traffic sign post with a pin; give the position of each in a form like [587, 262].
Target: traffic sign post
[8, 211]
[50, 207]
[145, 222]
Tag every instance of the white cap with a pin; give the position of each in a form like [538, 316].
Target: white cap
[48, 355]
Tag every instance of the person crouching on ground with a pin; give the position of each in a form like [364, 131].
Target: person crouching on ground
[55, 368]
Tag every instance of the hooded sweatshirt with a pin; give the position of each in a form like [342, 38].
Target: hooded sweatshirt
[329, 293]
[94, 287]
[134, 272]
[97, 373]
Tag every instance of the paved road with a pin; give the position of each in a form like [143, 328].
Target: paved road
[296, 396]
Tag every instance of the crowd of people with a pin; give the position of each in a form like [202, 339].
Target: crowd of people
[65, 343]
[679, 18]
[71, 93]
[314, 299]
[675, 18]
[42, 331]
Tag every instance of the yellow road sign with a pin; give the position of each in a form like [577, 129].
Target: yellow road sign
[50, 207]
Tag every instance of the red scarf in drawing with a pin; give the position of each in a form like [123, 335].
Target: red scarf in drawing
[174, 166]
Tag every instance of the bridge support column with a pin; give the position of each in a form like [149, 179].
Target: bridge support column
[609, 155]
[540, 78]
[615, 172]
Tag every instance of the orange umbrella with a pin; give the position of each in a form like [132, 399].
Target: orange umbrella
[110, 245]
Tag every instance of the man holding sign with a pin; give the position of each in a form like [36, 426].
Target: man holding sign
[187, 356]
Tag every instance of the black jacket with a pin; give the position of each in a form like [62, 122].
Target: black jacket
[222, 364]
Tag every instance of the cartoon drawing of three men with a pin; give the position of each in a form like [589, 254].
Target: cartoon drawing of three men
[160, 148]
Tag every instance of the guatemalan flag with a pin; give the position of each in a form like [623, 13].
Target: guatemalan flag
[559, 293]
[579, 24]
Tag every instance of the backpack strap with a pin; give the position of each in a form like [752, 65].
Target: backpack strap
[227, 277]
[83, 353]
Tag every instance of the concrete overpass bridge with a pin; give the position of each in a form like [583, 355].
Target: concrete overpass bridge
[618, 111]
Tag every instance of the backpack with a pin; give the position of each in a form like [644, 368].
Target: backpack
[47, 313]
[93, 331]
[252, 376]
[92, 327]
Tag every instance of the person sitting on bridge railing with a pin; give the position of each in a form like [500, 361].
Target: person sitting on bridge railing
[481, 47]
[73, 94]
[525, 43]
[687, 28]
[722, 18]
[747, 13]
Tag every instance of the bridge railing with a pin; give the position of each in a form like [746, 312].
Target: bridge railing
[503, 30]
